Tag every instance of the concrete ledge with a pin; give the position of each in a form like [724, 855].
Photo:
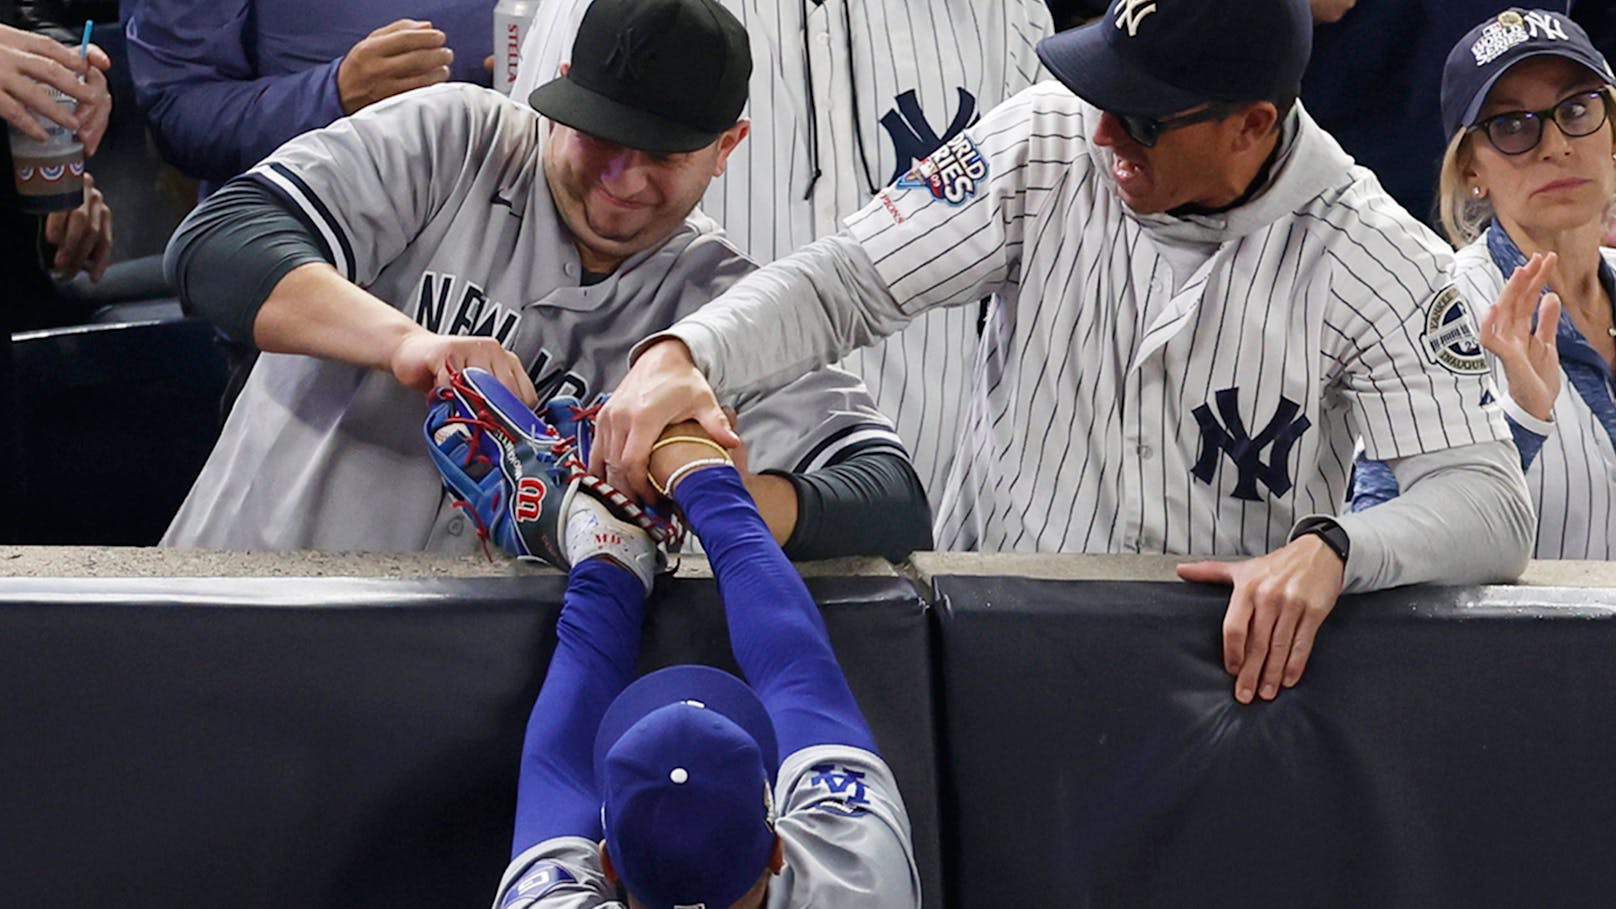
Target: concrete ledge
[151, 562]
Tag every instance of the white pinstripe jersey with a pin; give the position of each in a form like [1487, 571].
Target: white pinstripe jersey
[1147, 384]
[435, 201]
[1573, 477]
[890, 81]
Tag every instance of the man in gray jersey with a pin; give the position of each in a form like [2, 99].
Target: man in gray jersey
[1201, 306]
[845, 96]
[450, 227]
[658, 793]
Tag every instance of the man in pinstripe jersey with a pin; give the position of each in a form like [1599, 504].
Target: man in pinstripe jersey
[847, 96]
[1201, 305]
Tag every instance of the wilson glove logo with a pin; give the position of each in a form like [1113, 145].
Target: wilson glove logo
[529, 498]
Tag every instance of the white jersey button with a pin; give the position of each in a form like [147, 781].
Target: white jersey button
[456, 526]
[570, 270]
[1145, 452]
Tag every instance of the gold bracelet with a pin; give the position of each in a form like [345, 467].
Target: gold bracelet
[722, 451]
[687, 467]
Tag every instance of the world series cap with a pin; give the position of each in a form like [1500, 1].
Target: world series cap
[1152, 58]
[662, 76]
[1491, 48]
[683, 759]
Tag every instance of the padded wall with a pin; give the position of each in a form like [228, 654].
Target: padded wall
[1447, 747]
[335, 743]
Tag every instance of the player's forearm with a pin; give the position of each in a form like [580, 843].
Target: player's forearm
[792, 316]
[597, 642]
[317, 312]
[1464, 517]
[775, 628]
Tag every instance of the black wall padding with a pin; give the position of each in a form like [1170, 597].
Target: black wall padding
[114, 423]
[278, 743]
[1446, 748]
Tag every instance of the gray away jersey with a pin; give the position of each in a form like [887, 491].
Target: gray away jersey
[435, 202]
[1147, 384]
[860, 92]
[845, 829]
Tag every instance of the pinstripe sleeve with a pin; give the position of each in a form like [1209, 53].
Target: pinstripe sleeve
[1416, 377]
[951, 230]
[368, 183]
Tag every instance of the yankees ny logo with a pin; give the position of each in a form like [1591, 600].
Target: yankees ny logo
[1131, 12]
[912, 136]
[628, 54]
[1230, 438]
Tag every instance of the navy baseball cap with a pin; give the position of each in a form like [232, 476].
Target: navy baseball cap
[662, 76]
[683, 759]
[1152, 58]
[1482, 56]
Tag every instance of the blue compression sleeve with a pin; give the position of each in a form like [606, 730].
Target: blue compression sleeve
[597, 642]
[775, 628]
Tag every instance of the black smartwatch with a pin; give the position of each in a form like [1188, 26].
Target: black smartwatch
[1326, 529]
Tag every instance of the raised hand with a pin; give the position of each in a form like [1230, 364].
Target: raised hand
[1528, 356]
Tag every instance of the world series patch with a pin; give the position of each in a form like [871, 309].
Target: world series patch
[1450, 338]
[951, 173]
[535, 883]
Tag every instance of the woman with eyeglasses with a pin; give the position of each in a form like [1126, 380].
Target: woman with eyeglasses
[1526, 184]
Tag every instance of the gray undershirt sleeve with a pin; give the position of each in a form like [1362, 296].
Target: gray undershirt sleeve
[870, 504]
[1464, 517]
[790, 317]
[227, 255]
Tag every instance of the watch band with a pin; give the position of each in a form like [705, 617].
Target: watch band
[1326, 529]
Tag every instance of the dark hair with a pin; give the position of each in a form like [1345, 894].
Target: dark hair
[1284, 104]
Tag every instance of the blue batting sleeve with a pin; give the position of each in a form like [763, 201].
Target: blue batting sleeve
[1529, 442]
[1373, 483]
[212, 115]
[597, 642]
[775, 628]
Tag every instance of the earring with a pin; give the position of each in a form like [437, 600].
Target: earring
[1475, 191]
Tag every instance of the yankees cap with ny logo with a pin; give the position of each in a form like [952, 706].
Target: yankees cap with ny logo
[1154, 58]
[661, 76]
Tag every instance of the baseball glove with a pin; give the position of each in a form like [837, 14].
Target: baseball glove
[518, 477]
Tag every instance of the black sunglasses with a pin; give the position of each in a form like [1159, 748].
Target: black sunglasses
[1517, 132]
[1146, 130]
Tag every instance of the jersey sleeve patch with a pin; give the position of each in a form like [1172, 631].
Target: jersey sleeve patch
[951, 173]
[536, 883]
[838, 789]
[1449, 337]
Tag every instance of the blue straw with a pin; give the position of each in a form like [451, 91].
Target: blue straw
[84, 44]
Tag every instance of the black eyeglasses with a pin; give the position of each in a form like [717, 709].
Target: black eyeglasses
[1517, 132]
[1146, 130]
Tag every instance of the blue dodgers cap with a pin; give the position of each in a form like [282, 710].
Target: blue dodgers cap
[1482, 56]
[1153, 58]
[683, 759]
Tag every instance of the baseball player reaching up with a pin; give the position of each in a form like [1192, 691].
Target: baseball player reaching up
[1201, 306]
[687, 787]
[451, 227]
